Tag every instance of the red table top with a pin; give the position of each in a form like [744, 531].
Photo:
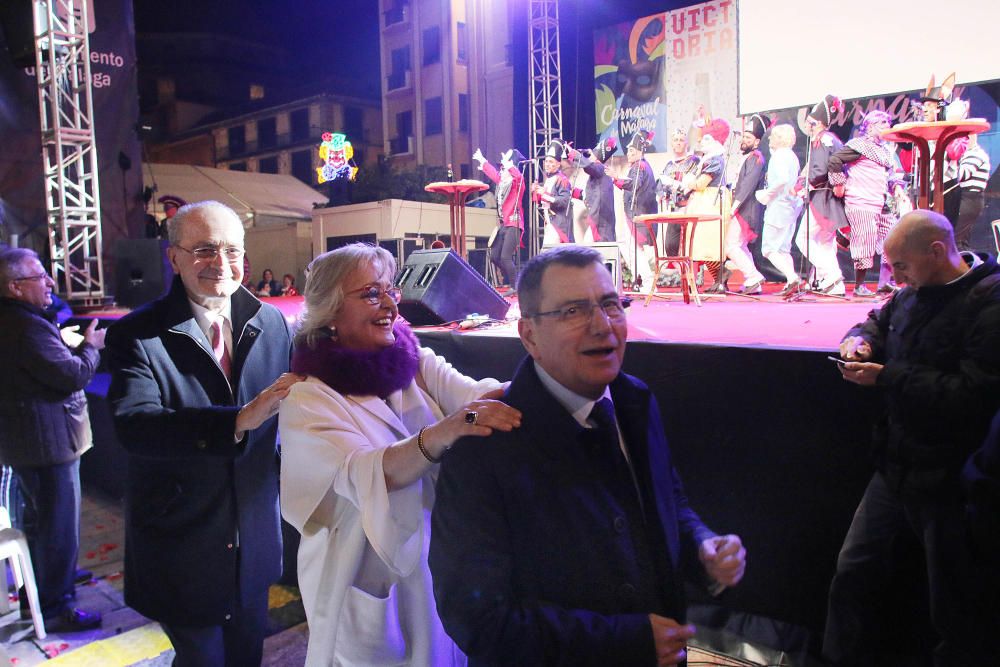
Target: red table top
[677, 217]
[450, 187]
[933, 131]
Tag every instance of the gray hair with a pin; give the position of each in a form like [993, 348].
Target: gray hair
[175, 224]
[324, 290]
[12, 261]
[529, 285]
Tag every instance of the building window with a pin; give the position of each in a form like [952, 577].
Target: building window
[396, 13]
[302, 167]
[400, 65]
[238, 166]
[268, 165]
[432, 45]
[432, 116]
[354, 124]
[256, 91]
[237, 140]
[299, 120]
[462, 37]
[463, 112]
[400, 144]
[267, 133]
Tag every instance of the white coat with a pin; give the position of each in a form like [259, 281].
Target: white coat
[362, 561]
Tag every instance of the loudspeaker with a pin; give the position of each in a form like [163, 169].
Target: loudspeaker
[438, 286]
[612, 254]
[142, 270]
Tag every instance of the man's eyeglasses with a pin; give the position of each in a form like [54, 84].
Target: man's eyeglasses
[578, 313]
[40, 276]
[210, 252]
[373, 294]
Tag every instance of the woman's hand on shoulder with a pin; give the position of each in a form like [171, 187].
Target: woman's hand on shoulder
[476, 418]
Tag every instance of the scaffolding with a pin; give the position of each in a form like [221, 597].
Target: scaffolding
[546, 99]
[69, 148]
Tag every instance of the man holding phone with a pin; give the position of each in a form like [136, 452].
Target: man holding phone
[934, 349]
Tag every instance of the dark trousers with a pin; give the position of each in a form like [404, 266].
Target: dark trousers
[504, 251]
[238, 643]
[969, 210]
[865, 568]
[50, 519]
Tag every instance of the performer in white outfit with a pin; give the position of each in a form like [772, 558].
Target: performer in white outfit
[782, 204]
[360, 441]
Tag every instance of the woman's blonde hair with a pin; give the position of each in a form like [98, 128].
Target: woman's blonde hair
[783, 136]
[324, 290]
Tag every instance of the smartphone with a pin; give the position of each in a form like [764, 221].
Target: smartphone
[840, 362]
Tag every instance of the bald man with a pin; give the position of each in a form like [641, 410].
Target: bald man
[934, 352]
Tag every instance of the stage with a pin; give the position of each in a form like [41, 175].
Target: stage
[771, 442]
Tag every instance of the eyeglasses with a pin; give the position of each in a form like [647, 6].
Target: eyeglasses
[578, 313]
[373, 294]
[210, 252]
[40, 276]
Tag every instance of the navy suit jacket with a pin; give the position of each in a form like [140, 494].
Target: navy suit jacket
[531, 559]
[194, 494]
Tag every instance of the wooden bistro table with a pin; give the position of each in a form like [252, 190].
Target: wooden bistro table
[688, 223]
[942, 133]
[456, 192]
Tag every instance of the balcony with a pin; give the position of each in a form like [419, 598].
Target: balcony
[399, 80]
[401, 145]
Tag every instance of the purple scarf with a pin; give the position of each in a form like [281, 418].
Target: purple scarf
[356, 373]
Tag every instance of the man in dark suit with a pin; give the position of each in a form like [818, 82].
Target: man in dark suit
[197, 377]
[565, 541]
[44, 429]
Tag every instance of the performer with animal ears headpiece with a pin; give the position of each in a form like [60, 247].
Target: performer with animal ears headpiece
[709, 196]
[826, 212]
[863, 172]
[510, 211]
[598, 194]
[555, 196]
[935, 98]
[748, 213]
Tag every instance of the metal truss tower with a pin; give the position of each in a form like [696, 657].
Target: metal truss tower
[546, 98]
[69, 149]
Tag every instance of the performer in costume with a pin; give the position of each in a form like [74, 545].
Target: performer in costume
[748, 213]
[673, 195]
[826, 212]
[555, 196]
[973, 174]
[639, 194]
[709, 196]
[862, 172]
[510, 211]
[598, 194]
[782, 206]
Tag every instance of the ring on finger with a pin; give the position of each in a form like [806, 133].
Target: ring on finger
[471, 417]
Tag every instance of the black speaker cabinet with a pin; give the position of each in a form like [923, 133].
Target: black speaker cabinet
[142, 271]
[438, 286]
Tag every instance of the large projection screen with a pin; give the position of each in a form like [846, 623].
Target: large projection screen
[793, 53]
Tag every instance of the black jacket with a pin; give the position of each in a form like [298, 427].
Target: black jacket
[43, 411]
[941, 349]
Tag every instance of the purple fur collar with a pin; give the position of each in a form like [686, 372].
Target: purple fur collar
[361, 373]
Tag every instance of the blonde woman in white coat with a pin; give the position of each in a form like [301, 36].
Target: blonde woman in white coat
[360, 441]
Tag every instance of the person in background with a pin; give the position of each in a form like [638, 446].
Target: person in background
[510, 211]
[973, 175]
[555, 196]
[288, 285]
[933, 352]
[639, 197]
[171, 204]
[782, 206]
[598, 195]
[361, 440]
[268, 286]
[748, 214]
[44, 430]
[196, 379]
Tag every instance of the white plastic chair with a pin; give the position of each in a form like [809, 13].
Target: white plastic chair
[14, 547]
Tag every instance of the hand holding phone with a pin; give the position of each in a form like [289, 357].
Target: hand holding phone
[840, 362]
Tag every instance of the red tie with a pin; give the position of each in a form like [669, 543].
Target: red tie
[219, 348]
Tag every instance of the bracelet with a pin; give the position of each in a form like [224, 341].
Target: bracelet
[423, 450]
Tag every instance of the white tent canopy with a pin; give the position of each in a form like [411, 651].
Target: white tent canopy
[253, 196]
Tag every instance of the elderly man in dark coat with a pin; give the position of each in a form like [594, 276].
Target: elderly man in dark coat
[197, 377]
[44, 428]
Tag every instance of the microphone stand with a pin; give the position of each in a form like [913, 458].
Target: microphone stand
[812, 280]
